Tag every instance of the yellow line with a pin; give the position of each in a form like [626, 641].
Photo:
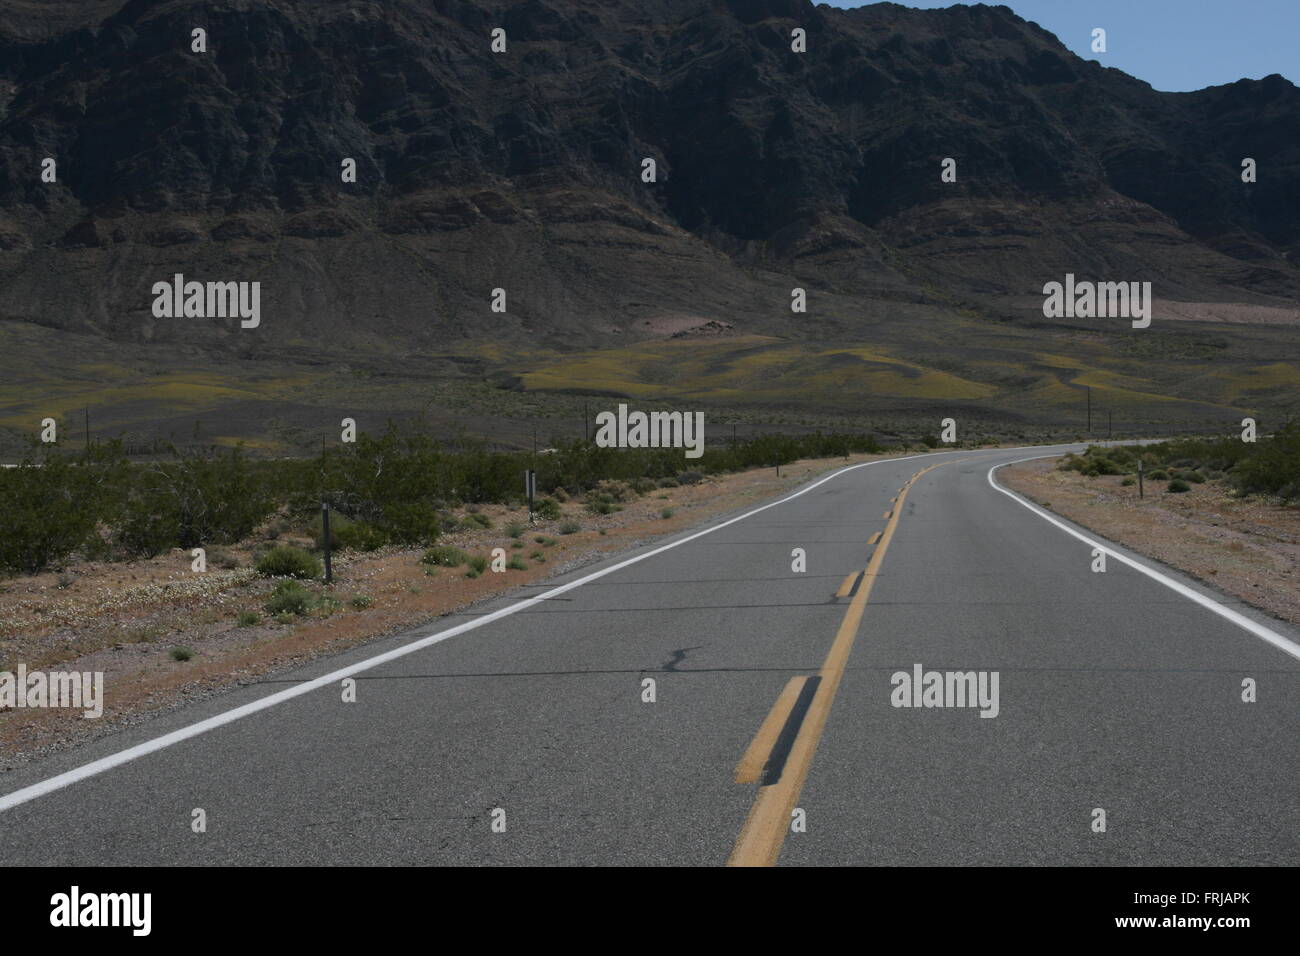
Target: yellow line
[751, 765]
[847, 586]
[760, 839]
[874, 538]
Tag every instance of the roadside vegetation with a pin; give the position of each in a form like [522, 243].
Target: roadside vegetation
[1268, 467]
[394, 488]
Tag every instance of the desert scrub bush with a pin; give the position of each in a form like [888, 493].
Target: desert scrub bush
[327, 605]
[284, 617]
[1177, 486]
[569, 527]
[475, 520]
[599, 507]
[191, 500]
[285, 561]
[610, 490]
[1097, 461]
[515, 529]
[221, 558]
[289, 597]
[182, 653]
[50, 504]
[348, 535]
[691, 477]
[360, 602]
[248, 618]
[1159, 475]
[548, 509]
[516, 563]
[1274, 466]
[539, 556]
[1129, 480]
[444, 556]
[477, 565]
[666, 513]
[667, 482]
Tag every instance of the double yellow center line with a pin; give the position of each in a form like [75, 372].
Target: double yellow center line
[801, 712]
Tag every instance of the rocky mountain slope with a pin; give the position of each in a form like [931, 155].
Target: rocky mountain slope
[522, 171]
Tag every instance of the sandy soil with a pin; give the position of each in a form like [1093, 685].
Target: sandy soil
[125, 619]
[1246, 547]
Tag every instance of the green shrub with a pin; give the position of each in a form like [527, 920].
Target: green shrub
[516, 563]
[444, 556]
[248, 618]
[289, 597]
[474, 520]
[611, 490]
[569, 527]
[691, 477]
[477, 564]
[360, 602]
[348, 535]
[548, 509]
[1177, 486]
[666, 513]
[182, 653]
[1273, 467]
[515, 529]
[538, 556]
[284, 561]
[667, 482]
[1129, 481]
[1159, 475]
[50, 505]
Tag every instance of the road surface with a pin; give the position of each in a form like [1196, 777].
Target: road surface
[525, 736]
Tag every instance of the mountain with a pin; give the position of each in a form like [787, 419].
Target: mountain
[522, 170]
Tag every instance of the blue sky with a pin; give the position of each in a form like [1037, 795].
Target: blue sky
[1172, 44]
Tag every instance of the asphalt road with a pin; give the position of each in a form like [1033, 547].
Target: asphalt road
[1114, 692]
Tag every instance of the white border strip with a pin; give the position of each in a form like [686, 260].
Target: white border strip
[96, 767]
[1259, 630]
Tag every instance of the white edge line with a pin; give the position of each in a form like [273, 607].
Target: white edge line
[1254, 627]
[96, 767]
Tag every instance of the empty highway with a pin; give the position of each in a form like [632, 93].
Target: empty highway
[775, 732]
